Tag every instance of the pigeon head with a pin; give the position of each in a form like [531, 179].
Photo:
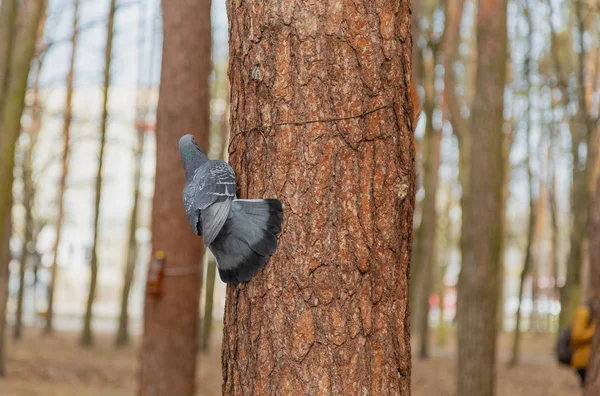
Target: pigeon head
[191, 155]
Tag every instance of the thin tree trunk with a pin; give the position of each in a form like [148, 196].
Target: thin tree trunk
[4, 275]
[479, 279]
[514, 360]
[28, 197]
[30, 15]
[211, 272]
[427, 230]
[122, 337]
[86, 335]
[333, 140]
[68, 117]
[168, 352]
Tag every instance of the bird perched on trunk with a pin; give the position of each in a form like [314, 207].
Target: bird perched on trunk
[241, 233]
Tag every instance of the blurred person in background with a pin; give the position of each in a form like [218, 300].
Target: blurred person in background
[583, 328]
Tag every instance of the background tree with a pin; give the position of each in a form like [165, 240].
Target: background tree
[168, 353]
[333, 139]
[479, 280]
[592, 386]
[5, 257]
[28, 196]
[86, 335]
[14, 73]
[67, 120]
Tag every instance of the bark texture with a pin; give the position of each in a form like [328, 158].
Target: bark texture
[479, 280]
[321, 118]
[86, 334]
[168, 353]
[68, 117]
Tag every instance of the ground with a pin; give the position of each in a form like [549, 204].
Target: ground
[56, 366]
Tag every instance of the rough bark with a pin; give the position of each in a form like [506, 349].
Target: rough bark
[479, 278]
[4, 274]
[321, 118]
[168, 353]
[426, 235]
[86, 335]
[30, 15]
[67, 118]
[28, 197]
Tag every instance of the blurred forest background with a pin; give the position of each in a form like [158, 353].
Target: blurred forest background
[81, 102]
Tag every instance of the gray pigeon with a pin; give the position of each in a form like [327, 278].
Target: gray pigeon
[241, 233]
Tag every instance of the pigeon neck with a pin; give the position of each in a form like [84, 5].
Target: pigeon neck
[192, 166]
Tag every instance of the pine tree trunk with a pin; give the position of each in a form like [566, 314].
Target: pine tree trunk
[321, 118]
[168, 352]
[68, 117]
[4, 275]
[13, 101]
[479, 280]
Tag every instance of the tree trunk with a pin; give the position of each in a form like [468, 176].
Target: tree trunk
[426, 247]
[28, 196]
[30, 15]
[479, 278]
[321, 118]
[211, 272]
[142, 104]
[168, 352]
[68, 117]
[4, 275]
[122, 338]
[86, 335]
[8, 16]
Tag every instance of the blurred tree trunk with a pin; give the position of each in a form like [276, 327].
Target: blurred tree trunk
[122, 337]
[443, 259]
[333, 139]
[211, 272]
[28, 195]
[528, 257]
[168, 352]
[426, 234]
[86, 335]
[584, 132]
[68, 117]
[592, 386]
[8, 16]
[4, 275]
[145, 69]
[479, 279]
[13, 100]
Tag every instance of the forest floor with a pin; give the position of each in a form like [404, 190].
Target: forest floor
[56, 366]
